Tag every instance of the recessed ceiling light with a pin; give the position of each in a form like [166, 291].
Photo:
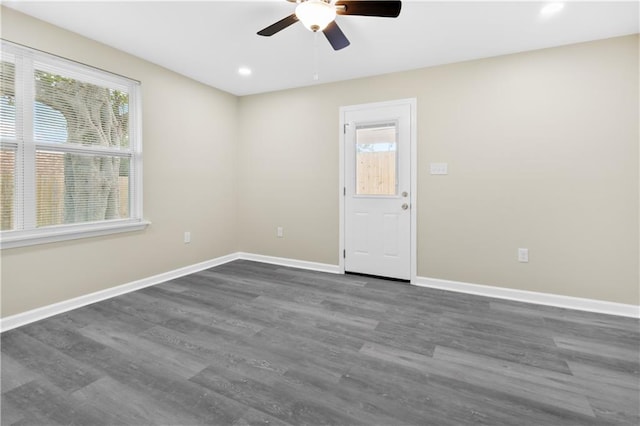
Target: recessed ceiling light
[244, 71]
[551, 9]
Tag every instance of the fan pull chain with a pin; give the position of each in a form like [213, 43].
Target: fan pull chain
[316, 60]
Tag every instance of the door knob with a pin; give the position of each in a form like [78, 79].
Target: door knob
[405, 206]
[405, 194]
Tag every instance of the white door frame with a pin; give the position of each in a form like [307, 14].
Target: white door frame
[412, 102]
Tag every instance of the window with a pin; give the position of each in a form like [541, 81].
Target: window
[70, 150]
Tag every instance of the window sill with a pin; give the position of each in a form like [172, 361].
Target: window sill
[13, 239]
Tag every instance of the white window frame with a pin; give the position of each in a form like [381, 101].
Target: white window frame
[25, 232]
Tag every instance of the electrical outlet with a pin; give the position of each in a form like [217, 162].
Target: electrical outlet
[523, 255]
[187, 237]
[280, 232]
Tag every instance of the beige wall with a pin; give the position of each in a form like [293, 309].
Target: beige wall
[189, 136]
[542, 150]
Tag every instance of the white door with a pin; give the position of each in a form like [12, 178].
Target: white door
[377, 190]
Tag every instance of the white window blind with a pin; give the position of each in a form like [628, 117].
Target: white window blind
[8, 143]
[71, 151]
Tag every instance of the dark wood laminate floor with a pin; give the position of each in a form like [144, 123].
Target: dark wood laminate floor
[254, 344]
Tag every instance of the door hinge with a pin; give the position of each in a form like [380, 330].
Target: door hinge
[344, 128]
[344, 191]
[344, 254]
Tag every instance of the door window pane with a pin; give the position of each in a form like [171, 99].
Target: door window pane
[376, 159]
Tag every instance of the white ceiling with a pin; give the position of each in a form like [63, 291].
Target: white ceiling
[209, 40]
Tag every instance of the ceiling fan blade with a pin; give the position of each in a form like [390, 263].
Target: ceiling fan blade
[335, 36]
[382, 8]
[279, 26]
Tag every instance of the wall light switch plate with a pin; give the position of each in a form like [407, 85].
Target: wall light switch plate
[439, 168]
[523, 255]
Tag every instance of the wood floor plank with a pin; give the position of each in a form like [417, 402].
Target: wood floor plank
[599, 355]
[330, 361]
[15, 374]
[441, 404]
[60, 369]
[107, 395]
[43, 404]
[289, 403]
[253, 417]
[248, 343]
[398, 356]
[137, 347]
[185, 307]
[620, 401]
[105, 314]
[567, 315]
[317, 312]
[10, 414]
[216, 350]
[597, 330]
[378, 409]
[388, 336]
[190, 402]
[543, 385]
[500, 406]
[509, 341]
[609, 350]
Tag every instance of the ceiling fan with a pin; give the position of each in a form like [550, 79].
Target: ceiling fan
[320, 15]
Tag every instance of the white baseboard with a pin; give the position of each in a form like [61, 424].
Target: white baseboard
[577, 303]
[37, 314]
[292, 263]
[590, 305]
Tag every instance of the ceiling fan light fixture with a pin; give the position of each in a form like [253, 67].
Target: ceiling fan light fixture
[315, 14]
